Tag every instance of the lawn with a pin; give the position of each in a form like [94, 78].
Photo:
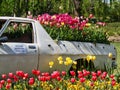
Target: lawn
[117, 45]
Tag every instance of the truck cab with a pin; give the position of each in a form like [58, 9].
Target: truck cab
[25, 45]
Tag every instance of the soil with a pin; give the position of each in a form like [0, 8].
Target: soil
[114, 38]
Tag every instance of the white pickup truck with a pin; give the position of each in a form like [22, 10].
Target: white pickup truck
[35, 49]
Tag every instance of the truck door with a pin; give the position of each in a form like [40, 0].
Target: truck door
[18, 50]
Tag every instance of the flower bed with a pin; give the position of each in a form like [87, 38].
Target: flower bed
[84, 80]
[60, 80]
[66, 27]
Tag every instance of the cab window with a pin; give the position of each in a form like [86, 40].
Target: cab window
[19, 32]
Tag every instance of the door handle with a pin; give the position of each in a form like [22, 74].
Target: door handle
[32, 47]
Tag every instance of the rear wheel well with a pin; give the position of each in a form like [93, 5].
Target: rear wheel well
[83, 64]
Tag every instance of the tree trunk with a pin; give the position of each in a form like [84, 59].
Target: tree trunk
[78, 5]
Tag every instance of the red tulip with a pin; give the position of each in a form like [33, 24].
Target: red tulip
[79, 72]
[47, 74]
[48, 78]
[94, 74]
[2, 82]
[20, 73]
[4, 76]
[8, 86]
[15, 78]
[9, 80]
[35, 72]
[63, 73]
[72, 73]
[11, 75]
[112, 76]
[91, 83]
[113, 83]
[72, 80]
[58, 78]
[99, 73]
[31, 81]
[94, 78]
[80, 75]
[25, 76]
[55, 74]
[82, 80]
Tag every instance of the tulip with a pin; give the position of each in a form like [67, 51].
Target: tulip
[60, 58]
[8, 86]
[60, 62]
[99, 73]
[58, 78]
[42, 78]
[112, 76]
[72, 80]
[11, 75]
[63, 73]
[94, 78]
[31, 81]
[110, 55]
[2, 82]
[15, 78]
[72, 73]
[82, 80]
[94, 74]
[25, 76]
[20, 73]
[9, 80]
[91, 83]
[113, 83]
[4, 76]
[74, 62]
[48, 78]
[46, 74]
[66, 63]
[51, 63]
[93, 58]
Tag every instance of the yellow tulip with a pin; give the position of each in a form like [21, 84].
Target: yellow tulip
[53, 17]
[74, 62]
[60, 62]
[60, 58]
[93, 58]
[89, 57]
[68, 58]
[87, 24]
[69, 61]
[66, 63]
[51, 63]
[110, 55]
[62, 23]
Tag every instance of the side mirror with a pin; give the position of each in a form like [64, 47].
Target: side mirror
[3, 39]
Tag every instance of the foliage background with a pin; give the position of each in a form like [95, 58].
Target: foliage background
[103, 11]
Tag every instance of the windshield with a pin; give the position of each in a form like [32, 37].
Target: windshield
[2, 22]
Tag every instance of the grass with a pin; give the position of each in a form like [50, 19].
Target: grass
[112, 28]
[117, 45]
